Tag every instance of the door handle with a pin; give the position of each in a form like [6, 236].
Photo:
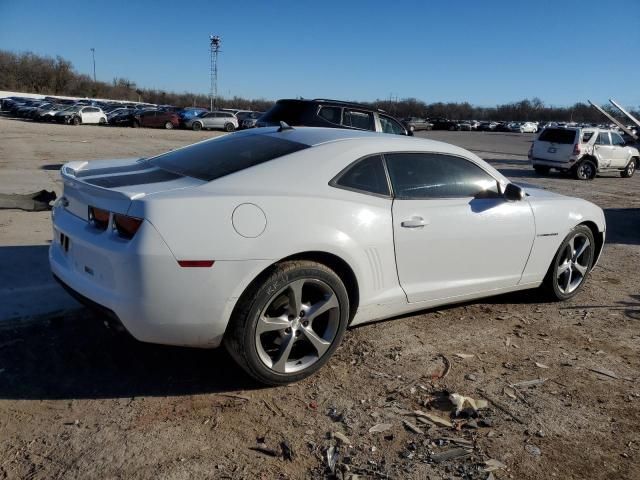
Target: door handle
[414, 222]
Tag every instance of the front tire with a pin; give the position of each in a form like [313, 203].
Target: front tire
[289, 322]
[168, 126]
[585, 170]
[197, 126]
[571, 264]
[76, 121]
[630, 169]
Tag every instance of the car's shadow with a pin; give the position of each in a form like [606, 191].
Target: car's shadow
[76, 356]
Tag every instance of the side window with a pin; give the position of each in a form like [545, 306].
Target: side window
[367, 175]
[434, 175]
[586, 136]
[389, 125]
[616, 139]
[331, 114]
[358, 119]
[603, 139]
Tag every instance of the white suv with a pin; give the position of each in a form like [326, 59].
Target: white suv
[583, 151]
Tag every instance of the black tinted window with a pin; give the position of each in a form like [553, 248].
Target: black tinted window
[367, 175]
[291, 112]
[432, 175]
[357, 119]
[558, 135]
[222, 156]
[331, 114]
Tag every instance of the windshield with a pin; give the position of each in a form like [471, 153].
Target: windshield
[222, 156]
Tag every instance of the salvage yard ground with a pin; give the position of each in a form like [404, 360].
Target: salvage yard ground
[80, 401]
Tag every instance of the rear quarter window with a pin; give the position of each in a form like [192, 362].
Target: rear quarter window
[558, 135]
[226, 155]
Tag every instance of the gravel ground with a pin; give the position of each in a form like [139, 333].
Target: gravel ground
[80, 401]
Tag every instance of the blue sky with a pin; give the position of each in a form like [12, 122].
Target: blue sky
[485, 52]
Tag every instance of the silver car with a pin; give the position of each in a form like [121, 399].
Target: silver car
[219, 120]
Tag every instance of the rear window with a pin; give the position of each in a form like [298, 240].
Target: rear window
[222, 156]
[557, 135]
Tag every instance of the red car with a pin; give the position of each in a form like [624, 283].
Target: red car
[157, 118]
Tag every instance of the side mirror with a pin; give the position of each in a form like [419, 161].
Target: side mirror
[513, 193]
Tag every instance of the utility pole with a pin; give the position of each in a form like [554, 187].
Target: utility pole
[215, 43]
[93, 54]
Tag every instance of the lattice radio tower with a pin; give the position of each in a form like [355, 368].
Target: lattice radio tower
[215, 43]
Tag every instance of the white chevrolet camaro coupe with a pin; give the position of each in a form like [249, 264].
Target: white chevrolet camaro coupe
[273, 241]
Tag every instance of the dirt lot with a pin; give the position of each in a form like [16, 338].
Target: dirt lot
[80, 401]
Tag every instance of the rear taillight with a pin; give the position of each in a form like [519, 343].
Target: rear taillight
[576, 149]
[98, 218]
[126, 226]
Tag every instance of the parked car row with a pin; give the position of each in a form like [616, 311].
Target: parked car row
[121, 114]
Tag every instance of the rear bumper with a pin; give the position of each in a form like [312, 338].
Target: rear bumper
[140, 283]
[559, 164]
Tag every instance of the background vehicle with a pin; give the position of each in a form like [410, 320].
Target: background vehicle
[444, 124]
[332, 114]
[464, 126]
[156, 119]
[417, 123]
[187, 114]
[583, 151]
[131, 238]
[79, 114]
[528, 127]
[213, 120]
[487, 126]
[248, 119]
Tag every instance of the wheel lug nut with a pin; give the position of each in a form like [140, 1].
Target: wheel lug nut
[302, 314]
[287, 330]
[297, 333]
[291, 317]
[305, 323]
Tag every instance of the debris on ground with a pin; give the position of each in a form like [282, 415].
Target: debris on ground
[341, 437]
[603, 371]
[532, 449]
[450, 454]
[433, 418]
[461, 402]
[380, 427]
[412, 427]
[492, 464]
[30, 202]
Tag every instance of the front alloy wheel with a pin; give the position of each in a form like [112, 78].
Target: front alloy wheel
[287, 325]
[572, 263]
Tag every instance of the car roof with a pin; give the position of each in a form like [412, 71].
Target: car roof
[315, 136]
[328, 101]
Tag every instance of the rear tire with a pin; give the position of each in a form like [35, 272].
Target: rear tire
[229, 127]
[585, 170]
[76, 121]
[102, 121]
[630, 169]
[542, 170]
[571, 264]
[168, 126]
[274, 334]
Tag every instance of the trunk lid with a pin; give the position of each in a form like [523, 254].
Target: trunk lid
[112, 184]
